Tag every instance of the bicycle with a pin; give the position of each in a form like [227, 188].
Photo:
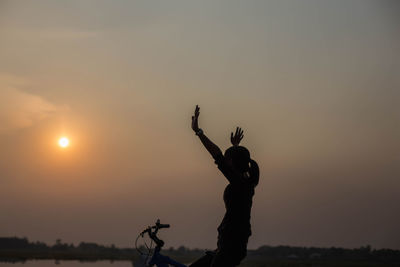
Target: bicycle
[157, 258]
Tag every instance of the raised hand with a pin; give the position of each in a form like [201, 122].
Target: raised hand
[195, 118]
[235, 139]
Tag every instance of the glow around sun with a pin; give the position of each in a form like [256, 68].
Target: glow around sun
[63, 142]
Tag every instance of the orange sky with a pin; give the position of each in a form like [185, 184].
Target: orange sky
[314, 86]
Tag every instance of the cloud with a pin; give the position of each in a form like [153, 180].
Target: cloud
[19, 109]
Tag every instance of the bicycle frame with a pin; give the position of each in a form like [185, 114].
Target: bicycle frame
[163, 261]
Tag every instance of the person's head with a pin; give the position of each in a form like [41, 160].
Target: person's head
[239, 156]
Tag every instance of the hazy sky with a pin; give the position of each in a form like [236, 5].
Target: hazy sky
[314, 84]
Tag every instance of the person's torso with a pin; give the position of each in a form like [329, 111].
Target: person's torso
[238, 202]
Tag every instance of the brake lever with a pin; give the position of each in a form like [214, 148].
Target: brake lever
[148, 229]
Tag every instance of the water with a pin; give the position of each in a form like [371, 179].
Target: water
[53, 263]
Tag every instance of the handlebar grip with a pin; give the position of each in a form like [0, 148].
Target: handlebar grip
[159, 225]
[163, 226]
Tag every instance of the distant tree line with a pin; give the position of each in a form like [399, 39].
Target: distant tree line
[14, 248]
[11, 243]
[364, 253]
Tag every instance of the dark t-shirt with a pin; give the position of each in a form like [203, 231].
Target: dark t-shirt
[238, 197]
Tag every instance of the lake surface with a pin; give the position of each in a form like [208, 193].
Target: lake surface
[53, 263]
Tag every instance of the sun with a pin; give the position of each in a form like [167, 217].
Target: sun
[63, 142]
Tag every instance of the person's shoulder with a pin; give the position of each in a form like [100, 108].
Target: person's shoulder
[219, 158]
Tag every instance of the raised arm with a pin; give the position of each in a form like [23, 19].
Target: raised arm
[212, 148]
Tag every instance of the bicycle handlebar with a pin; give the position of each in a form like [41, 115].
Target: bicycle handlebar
[157, 226]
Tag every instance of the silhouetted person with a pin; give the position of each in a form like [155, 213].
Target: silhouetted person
[242, 174]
